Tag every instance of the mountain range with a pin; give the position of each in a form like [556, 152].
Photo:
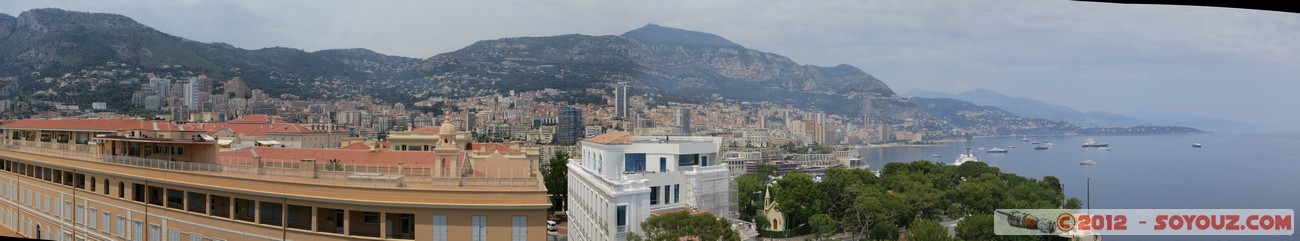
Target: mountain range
[1032, 108]
[675, 63]
[78, 57]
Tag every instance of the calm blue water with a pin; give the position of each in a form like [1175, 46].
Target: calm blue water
[1231, 171]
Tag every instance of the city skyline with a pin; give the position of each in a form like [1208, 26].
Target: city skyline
[1090, 56]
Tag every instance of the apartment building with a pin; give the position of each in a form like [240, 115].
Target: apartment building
[621, 179]
[152, 180]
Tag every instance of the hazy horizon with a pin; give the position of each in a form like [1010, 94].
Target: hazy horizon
[1089, 56]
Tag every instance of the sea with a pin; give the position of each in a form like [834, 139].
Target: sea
[1241, 170]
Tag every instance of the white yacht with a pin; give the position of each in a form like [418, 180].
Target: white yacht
[1196, 144]
[1094, 143]
[965, 157]
[1088, 162]
[997, 150]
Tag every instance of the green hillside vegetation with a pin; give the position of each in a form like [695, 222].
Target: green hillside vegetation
[879, 208]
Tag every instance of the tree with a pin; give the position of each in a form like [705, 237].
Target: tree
[885, 207]
[883, 231]
[557, 180]
[838, 190]
[1073, 203]
[981, 194]
[677, 225]
[761, 223]
[797, 196]
[976, 227]
[766, 170]
[749, 188]
[823, 226]
[927, 230]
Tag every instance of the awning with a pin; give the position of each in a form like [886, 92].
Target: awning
[225, 142]
[268, 142]
[206, 137]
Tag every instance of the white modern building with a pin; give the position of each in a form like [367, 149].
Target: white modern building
[621, 179]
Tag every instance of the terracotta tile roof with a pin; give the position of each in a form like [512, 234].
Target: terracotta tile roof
[98, 124]
[356, 146]
[501, 147]
[254, 129]
[252, 119]
[346, 156]
[613, 138]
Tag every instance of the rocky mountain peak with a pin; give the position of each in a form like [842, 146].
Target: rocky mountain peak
[53, 19]
[655, 34]
[7, 24]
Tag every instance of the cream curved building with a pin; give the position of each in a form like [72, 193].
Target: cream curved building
[68, 179]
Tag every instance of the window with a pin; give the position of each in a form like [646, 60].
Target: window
[195, 202]
[663, 164]
[298, 217]
[244, 210]
[370, 218]
[156, 195]
[176, 199]
[173, 234]
[137, 230]
[90, 218]
[67, 210]
[219, 206]
[196, 237]
[155, 233]
[688, 160]
[81, 213]
[621, 218]
[654, 195]
[519, 228]
[107, 219]
[178, 151]
[666, 192]
[704, 161]
[677, 193]
[137, 192]
[271, 214]
[439, 227]
[634, 162]
[121, 226]
[478, 232]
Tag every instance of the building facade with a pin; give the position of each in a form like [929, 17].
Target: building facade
[682, 117]
[153, 180]
[569, 126]
[621, 179]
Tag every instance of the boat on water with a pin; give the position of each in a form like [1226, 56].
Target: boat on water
[1026, 139]
[997, 150]
[936, 156]
[1088, 162]
[1051, 144]
[1094, 143]
[1011, 146]
[965, 157]
[1035, 143]
[1196, 144]
[1104, 148]
[1040, 148]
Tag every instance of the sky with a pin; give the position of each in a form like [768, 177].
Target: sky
[1235, 64]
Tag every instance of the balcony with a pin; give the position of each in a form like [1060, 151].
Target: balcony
[295, 171]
